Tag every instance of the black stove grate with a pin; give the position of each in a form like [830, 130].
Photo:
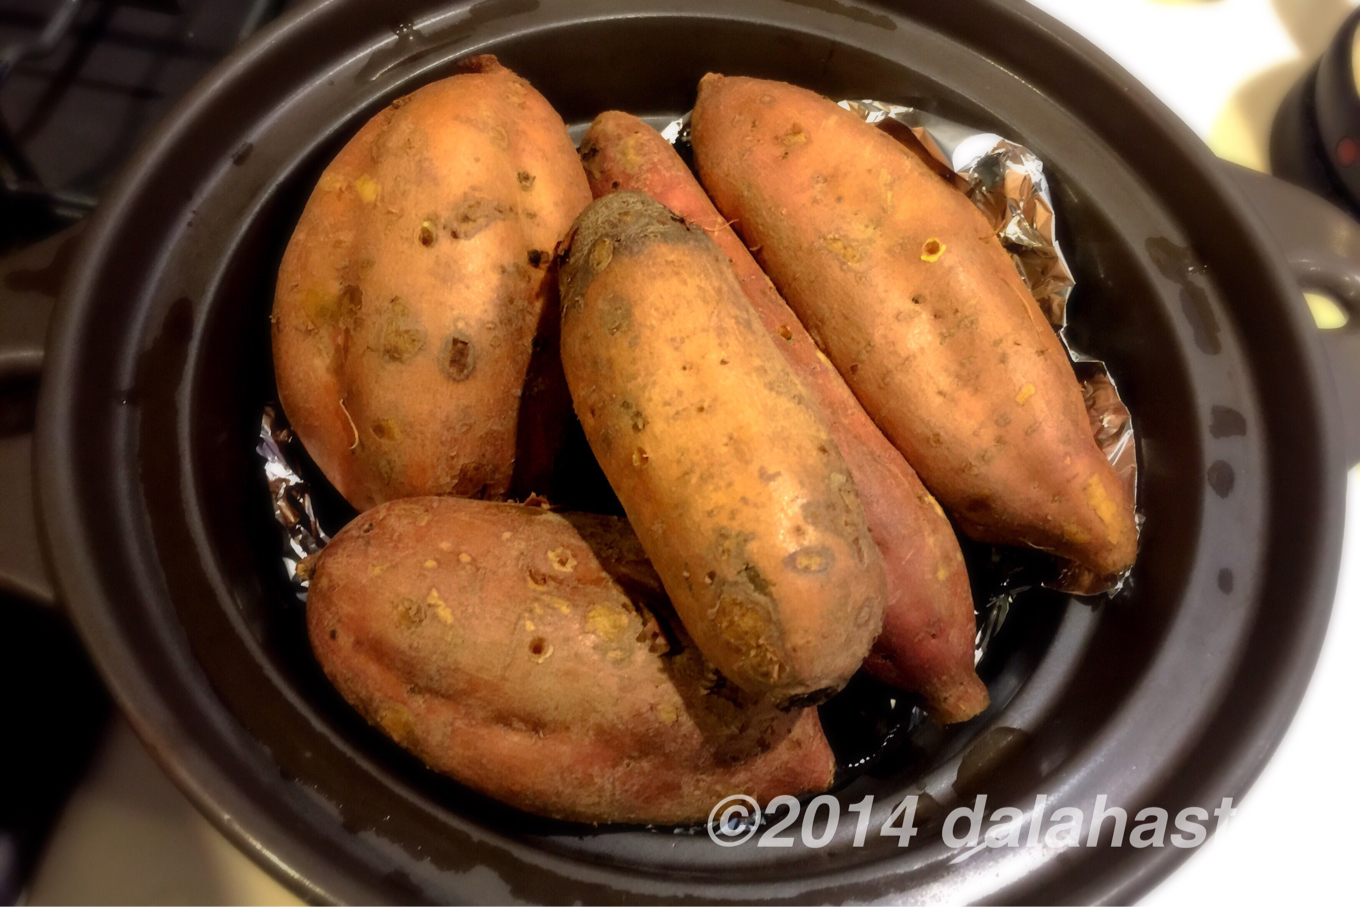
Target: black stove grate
[81, 82]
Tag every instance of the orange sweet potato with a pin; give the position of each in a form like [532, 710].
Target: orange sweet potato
[928, 626]
[721, 461]
[902, 281]
[519, 651]
[415, 289]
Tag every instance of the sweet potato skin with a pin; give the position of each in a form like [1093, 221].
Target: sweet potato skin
[415, 288]
[726, 471]
[518, 651]
[928, 627]
[903, 282]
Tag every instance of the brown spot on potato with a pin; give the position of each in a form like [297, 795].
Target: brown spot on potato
[617, 313]
[474, 214]
[747, 626]
[410, 612]
[812, 559]
[640, 457]
[540, 649]
[562, 560]
[526, 180]
[754, 579]
[402, 336]
[785, 332]
[386, 430]
[366, 188]
[427, 233]
[537, 258]
[397, 723]
[601, 253]
[842, 250]
[457, 358]
[607, 621]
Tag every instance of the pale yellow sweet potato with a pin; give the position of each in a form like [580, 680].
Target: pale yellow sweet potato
[414, 316]
[519, 651]
[928, 625]
[901, 280]
[722, 462]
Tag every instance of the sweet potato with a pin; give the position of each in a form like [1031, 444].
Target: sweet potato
[902, 281]
[519, 651]
[725, 468]
[928, 625]
[415, 289]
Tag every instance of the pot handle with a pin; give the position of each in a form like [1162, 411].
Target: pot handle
[29, 281]
[1322, 245]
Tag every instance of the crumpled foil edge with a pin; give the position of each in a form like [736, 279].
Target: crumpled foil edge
[291, 497]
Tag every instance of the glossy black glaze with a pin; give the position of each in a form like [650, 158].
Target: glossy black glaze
[1173, 694]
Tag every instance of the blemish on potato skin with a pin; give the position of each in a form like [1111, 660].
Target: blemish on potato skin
[1099, 499]
[366, 188]
[747, 626]
[540, 649]
[607, 621]
[397, 723]
[386, 430]
[457, 358]
[601, 253]
[526, 180]
[441, 609]
[667, 713]
[616, 313]
[402, 336]
[562, 560]
[932, 250]
[812, 559]
[474, 214]
[842, 250]
[410, 611]
[1024, 394]
[640, 457]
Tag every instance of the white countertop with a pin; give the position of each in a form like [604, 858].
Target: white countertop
[128, 836]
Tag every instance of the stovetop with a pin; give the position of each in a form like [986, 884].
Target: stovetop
[81, 83]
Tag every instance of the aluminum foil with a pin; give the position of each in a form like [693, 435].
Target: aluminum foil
[292, 499]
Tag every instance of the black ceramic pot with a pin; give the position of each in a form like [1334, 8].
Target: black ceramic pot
[159, 541]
